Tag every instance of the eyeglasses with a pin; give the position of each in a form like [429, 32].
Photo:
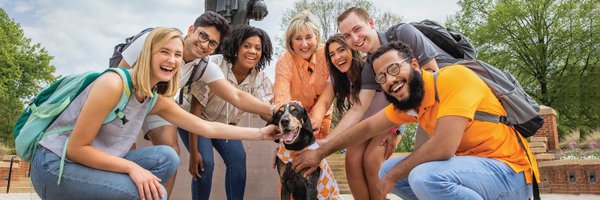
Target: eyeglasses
[392, 70]
[203, 37]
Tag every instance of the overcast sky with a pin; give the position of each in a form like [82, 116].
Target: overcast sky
[81, 34]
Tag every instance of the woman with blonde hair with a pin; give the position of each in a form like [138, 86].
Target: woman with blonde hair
[98, 163]
[301, 72]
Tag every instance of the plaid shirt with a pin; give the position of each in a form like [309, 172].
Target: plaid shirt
[216, 109]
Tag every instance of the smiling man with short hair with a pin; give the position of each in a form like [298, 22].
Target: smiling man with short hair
[464, 158]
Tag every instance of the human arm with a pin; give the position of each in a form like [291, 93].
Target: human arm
[431, 66]
[240, 99]
[354, 115]
[364, 130]
[170, 111]
[283, 79]
[321, 107]
[441, 146]
[196, 162]
[103, 96]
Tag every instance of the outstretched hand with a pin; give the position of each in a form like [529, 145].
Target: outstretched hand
[269, 132]
[306, 159]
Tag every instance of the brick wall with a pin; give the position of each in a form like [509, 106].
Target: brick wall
[20, 171]
[549, 130]
[570, 176]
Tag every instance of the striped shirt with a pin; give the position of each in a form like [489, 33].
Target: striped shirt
[216, 109]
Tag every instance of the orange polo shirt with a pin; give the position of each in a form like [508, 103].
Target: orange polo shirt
[461, 92]
[293, 81]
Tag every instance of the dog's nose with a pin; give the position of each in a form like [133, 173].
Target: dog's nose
[285, 121]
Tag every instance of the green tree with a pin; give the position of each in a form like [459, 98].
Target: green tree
[407, 142]
[24, 68]
[326, 12]
[552, 46]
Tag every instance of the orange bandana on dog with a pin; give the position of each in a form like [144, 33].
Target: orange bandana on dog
[327, 186]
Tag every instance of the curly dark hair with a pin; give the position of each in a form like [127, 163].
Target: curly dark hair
[343, 87]
[239, 34]
[210, 18]
[404, 51]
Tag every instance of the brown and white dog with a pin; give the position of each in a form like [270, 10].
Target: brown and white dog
[296, 134]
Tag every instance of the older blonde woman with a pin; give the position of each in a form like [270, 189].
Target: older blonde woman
[301, 72]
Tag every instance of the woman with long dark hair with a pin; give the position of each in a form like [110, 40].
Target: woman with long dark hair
[362, 160]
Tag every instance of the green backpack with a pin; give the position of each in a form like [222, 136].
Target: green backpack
[52, 101]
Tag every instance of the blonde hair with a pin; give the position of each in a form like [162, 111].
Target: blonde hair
[303, 21]
[142, 69]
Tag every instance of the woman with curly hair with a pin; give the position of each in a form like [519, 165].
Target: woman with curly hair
[245, 54]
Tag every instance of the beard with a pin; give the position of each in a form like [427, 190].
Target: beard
[415, 93]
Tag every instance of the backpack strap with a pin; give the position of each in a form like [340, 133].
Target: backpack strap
[152, 102]
[435, 76]
[193, 77]
[479, 115]
[488, 117]
[116, 112]
[536, 188]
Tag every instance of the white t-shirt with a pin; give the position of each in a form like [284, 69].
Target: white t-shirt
[212, 73]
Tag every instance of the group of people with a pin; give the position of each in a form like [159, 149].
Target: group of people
[377, 84]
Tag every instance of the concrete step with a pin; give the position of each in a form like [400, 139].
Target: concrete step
[537, 150]
[343, 187]
[345, 191]
[545, 190]
[20, 183]
[8, 157]
[18, 190]
[538, 144]
[6, 164]
[539, 139]
[545, 157]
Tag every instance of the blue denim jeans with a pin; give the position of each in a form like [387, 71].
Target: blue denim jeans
[82, 182]
[460, 177]
[234, 156]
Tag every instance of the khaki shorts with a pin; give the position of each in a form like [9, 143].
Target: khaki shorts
[152, 122]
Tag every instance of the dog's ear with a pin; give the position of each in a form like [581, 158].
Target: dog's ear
[275, 118]
[306, 119]
[275, 121]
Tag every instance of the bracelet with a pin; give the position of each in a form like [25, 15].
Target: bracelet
[260, 132]
[397, 131]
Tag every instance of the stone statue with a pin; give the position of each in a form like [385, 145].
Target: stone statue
[238, 11]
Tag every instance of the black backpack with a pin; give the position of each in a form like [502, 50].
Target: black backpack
[452, 42]
[117, 56]
[119, 48]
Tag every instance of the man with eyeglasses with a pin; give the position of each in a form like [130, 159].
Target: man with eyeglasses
[358, 28]
[202, 38]
[464, 158]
